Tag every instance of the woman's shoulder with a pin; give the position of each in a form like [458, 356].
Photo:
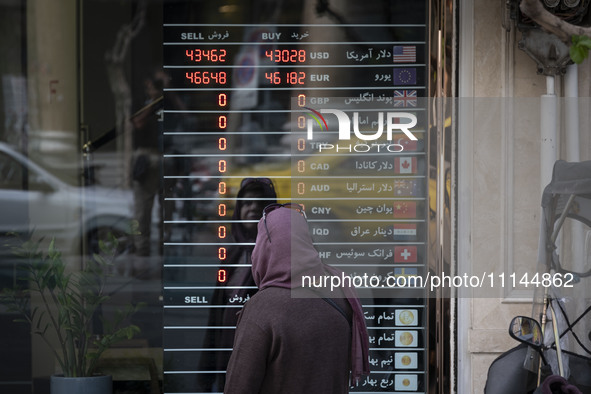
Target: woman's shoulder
[270, 296]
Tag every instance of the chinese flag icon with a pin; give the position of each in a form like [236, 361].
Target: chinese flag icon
[405, 254]
[405, 165]
[405, 210]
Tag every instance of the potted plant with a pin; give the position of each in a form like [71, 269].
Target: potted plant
[68, 304]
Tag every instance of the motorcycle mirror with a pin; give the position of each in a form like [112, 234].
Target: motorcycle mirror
[526, 330]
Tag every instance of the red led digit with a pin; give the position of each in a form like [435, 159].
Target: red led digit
[222, 275]
[302, 78]
[222, 189]
[222, 143]
[222, 56]
[301, 144]
[189, 53]
[222, 232]
[302, 56]
[301, 166]
[285, 56]
[222, 253]
[301, 188]
[222, 99]
[301, 100]
[222, 78]
[301, 122]
[222, 121]
[222, 209]
[222, 166]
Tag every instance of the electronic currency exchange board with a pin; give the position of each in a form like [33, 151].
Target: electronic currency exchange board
[265, 93]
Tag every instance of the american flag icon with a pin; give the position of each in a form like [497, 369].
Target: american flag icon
[405, 54]
[405, 98]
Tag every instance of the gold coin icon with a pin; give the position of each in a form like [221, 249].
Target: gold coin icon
[406, 338]
[406, 382]
[405, 360]
[406, 317]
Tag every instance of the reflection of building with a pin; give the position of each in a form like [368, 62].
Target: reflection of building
[484, 171]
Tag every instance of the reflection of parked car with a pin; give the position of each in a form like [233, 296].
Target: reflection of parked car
[33, 199]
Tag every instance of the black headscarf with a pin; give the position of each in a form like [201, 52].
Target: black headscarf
[263, 187]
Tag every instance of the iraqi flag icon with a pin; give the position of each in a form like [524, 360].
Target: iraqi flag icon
[405, 165]
[405, 232]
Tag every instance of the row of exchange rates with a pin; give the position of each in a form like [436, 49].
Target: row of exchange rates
[333, 116]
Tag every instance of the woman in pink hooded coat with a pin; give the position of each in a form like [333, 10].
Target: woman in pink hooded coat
[290, 339]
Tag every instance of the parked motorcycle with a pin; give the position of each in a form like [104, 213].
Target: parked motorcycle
[554, 355]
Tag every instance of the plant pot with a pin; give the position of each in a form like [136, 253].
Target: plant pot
[101, 384]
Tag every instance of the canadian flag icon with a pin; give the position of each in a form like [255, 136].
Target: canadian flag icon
[405, 165]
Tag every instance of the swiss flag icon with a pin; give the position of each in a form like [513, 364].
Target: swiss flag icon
[405, 165]
[405, 254]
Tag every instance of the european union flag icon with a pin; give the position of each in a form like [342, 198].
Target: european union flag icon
[405, 76]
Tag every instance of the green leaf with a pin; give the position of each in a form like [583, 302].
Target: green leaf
[578, 53]
[53, 252]
[579, 50]
[582, 41]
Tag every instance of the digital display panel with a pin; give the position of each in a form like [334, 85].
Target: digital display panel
[245, 92]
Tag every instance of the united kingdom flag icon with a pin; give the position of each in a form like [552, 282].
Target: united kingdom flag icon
[405, 98]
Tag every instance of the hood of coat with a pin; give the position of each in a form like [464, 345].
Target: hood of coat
[284, 250]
